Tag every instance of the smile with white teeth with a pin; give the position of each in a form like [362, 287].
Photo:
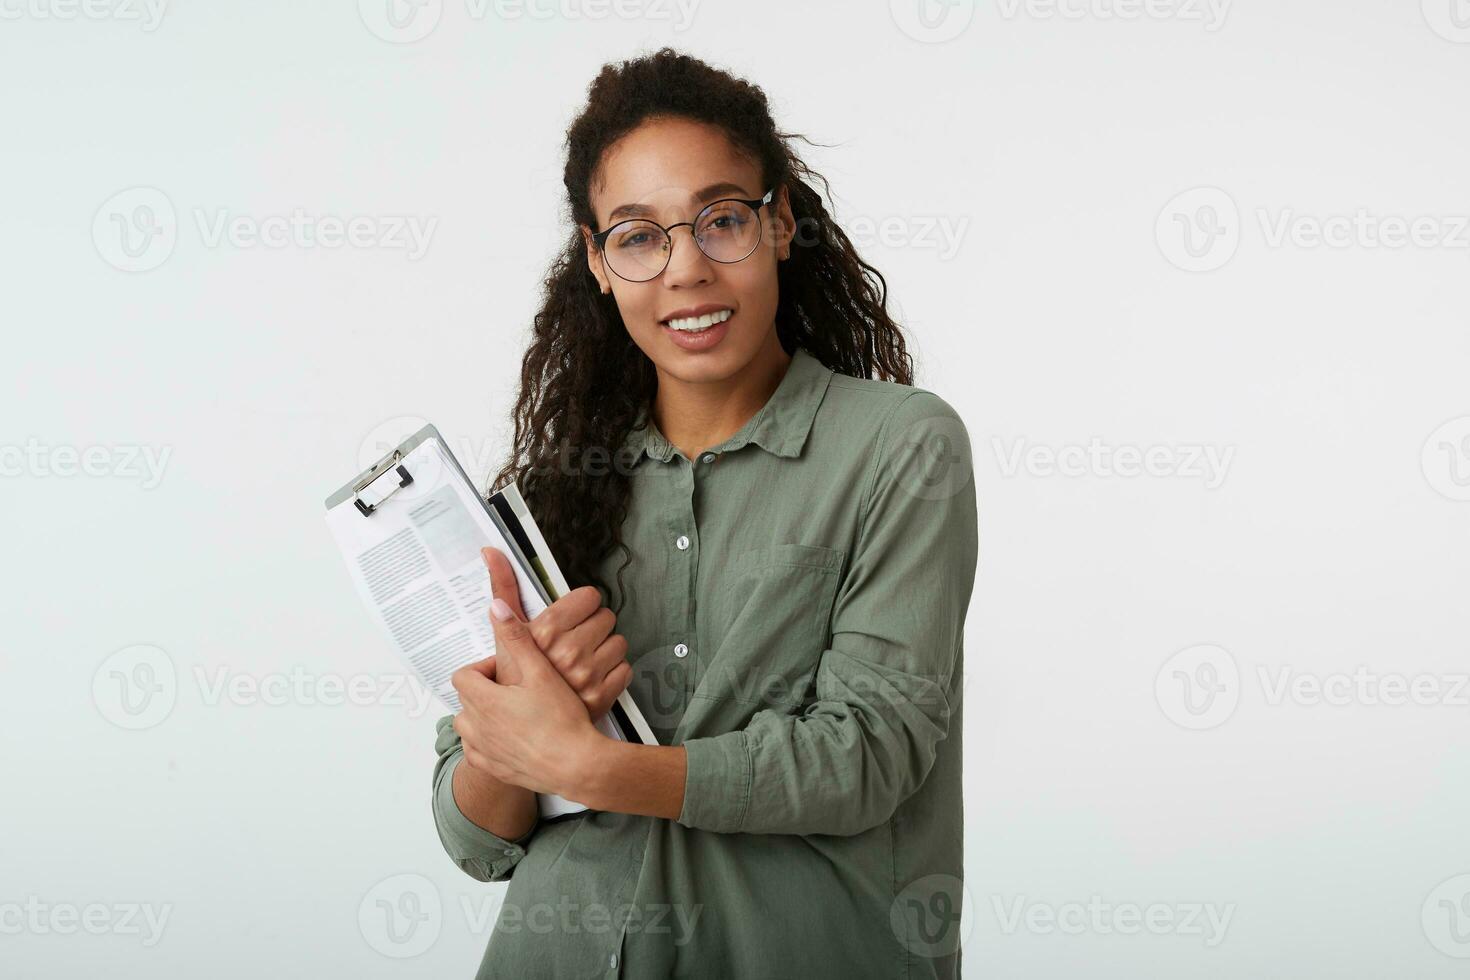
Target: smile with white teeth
[696, 323]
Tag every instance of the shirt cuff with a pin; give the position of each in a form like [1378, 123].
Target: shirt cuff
[716, 783]
[478, 852]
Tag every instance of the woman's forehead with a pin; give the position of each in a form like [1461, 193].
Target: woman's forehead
[667, 167]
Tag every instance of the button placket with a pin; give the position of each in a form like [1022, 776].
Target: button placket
[682, 618]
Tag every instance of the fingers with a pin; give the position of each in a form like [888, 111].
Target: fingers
[593, 630]
[582, 664]
[503, 582]
[485, 667]
[607, 691]
[565, 613]
[604, 674]
[471, 680]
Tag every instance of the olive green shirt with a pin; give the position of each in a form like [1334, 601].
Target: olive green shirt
[794, 610]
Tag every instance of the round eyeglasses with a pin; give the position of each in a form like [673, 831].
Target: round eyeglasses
[727, 231]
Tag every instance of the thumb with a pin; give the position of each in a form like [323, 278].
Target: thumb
[503, 581]
[513, 638]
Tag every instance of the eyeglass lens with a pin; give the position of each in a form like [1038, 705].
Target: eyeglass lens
[728, 231]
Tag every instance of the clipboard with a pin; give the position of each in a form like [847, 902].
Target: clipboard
[410, 528]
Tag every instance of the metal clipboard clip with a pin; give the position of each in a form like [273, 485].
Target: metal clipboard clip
[405, 478]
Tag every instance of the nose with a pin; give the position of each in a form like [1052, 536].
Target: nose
[688, 265]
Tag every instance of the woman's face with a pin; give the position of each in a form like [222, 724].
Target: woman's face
[667, 170]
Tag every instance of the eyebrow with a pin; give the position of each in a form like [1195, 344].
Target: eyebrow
[710, 193]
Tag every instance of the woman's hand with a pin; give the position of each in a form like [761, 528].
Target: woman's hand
[534, 734]
[534, 731]
[575, 633]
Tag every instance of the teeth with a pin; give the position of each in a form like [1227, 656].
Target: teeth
[699, 322]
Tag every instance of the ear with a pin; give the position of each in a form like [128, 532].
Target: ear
[785, 224]
[594, 260]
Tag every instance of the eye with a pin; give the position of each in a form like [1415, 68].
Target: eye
[637, 239]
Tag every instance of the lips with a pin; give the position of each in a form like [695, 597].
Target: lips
[697, 341]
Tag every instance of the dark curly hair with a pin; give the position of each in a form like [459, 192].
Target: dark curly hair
[584, 381]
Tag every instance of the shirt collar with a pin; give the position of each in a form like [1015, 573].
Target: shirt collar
[780, 427]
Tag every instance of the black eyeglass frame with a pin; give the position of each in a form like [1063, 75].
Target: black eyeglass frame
[755, 204]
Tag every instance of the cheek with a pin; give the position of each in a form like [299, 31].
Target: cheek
[758, 290]
[637, 307]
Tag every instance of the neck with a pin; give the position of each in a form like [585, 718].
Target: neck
[696, 415]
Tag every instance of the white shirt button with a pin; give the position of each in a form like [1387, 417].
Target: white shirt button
[708, 457]
[682, 542]
[612, 961]
[680, 650]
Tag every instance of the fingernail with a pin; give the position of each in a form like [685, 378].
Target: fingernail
[500, 609]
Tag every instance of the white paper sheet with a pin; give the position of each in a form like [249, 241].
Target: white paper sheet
[415, 561]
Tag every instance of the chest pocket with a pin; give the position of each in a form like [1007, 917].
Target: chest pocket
[770, 621]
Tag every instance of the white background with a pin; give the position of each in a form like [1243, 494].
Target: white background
[1054, 150]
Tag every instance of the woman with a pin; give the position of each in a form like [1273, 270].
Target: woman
[798, 546]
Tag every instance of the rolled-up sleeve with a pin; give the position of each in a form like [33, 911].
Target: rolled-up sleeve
[870, 737]
[479, 853]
